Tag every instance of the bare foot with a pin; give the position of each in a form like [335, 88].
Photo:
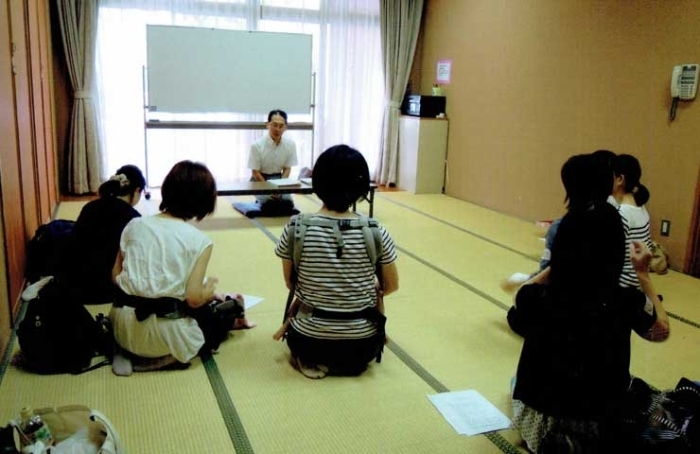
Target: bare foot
[244, 323]
[312, 371]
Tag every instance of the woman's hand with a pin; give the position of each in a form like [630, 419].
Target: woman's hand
[209, 286]
[640, 256]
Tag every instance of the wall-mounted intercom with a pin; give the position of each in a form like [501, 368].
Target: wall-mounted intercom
[684, 83]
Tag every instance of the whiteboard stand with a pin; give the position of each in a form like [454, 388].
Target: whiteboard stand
[244, 82]
[313, 116]
[240, 125]
[147, 193]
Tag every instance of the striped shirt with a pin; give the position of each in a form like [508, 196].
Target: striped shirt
[635, 221]
[340, 284]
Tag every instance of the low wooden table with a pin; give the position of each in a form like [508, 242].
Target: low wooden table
[267, 188]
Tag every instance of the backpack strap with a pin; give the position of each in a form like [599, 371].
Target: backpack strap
[369, 226]
[295, 243]
[373, 241]
[295, 239]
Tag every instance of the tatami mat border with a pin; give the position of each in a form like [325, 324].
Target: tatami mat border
[10, 348]
[233, 422]
[461, 229]
[227, 408]
[455, 279]
[414, 365]
[496, 438]
[7, 356]
[683, 320]
[495, 243]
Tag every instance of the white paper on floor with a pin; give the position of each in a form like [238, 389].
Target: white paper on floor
[469, 413]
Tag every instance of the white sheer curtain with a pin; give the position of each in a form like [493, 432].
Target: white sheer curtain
[348, 84]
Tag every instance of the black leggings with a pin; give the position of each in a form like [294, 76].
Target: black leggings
[342, 356]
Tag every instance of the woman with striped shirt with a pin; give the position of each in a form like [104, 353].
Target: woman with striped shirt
[337, 326]
[632, 196]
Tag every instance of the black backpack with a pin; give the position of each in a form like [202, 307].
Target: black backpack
[49, 250]
[59, 335]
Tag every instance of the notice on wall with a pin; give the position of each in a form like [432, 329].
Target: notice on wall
[444, 71]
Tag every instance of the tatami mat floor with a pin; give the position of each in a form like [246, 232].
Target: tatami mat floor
[447, 328]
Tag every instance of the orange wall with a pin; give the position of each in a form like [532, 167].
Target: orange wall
[535, 82]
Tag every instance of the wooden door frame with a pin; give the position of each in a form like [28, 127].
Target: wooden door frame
[692, 263]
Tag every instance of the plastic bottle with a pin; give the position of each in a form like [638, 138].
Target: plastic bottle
[34, 428]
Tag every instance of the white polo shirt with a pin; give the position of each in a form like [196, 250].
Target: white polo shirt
[268, 157]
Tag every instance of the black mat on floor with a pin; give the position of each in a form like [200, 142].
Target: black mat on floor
[252, 210]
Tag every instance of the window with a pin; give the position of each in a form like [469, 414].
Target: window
[348, 85]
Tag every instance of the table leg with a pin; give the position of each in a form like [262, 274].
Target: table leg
[369, 200]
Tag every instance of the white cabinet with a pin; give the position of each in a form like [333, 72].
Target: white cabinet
[422, 154]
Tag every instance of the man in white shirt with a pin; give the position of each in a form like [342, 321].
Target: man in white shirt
[272, 157]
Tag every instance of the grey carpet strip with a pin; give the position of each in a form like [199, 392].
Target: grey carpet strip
[495, 243]
[496, 438]
[235, 428]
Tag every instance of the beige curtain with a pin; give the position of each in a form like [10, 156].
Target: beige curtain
[78, 22]
[400, 24]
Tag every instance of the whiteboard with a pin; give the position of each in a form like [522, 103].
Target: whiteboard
[195, 70]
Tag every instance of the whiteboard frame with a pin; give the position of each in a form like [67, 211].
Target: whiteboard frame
[196, 70]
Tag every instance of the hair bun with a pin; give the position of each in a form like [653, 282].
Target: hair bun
[121, 178]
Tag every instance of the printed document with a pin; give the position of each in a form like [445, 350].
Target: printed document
[469, 413]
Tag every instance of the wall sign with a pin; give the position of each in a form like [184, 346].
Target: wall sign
[444, 71]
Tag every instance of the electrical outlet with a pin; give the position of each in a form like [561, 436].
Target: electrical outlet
[665, 227]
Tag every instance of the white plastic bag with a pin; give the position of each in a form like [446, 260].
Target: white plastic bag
[78, 443]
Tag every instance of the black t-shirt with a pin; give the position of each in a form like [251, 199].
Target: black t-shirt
[96, 237]
[576, 355]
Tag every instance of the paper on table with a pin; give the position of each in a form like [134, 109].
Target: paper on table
[306, 180]
[285, 182]
[469, 413]
[251, 300]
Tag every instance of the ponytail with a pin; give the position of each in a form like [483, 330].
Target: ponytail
[641, 195]
[127, 180]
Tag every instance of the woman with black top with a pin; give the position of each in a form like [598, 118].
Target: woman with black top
[97, 233]
[573, 374]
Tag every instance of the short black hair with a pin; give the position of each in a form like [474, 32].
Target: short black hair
[188, 191]
[587, 179]
[340, 177]
[281, 113]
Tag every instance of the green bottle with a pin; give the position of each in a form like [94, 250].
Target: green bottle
[34, 428]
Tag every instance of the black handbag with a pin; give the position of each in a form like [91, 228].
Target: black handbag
[59, 335]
